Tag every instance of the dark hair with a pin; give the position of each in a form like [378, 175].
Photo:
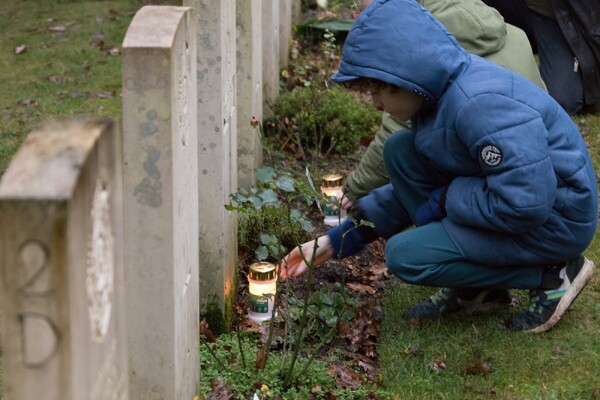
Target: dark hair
[369, 85]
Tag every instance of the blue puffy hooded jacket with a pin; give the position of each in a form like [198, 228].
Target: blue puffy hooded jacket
[516, 162]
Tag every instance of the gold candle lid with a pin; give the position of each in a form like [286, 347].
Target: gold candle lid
[262, 271]
[332, 180]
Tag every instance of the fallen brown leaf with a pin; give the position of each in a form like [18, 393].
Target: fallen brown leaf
[366, 367]
[219, 390]
[113, 14]
[206, 332]
[98, 40]
[28, 102]
[361, 288]
[261, 358]
[345, 376]
[437, 365]
[379, 270]
[479, 367]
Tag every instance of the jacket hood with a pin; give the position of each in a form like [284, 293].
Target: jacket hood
[401, 43]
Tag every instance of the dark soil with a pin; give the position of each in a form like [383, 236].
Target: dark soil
[363, 277]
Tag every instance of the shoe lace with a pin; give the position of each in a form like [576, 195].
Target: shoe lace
[440, 295]
[534, 299]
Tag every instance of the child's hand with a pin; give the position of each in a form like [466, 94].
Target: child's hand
[293, 264]
[345, 203]
[434, 209]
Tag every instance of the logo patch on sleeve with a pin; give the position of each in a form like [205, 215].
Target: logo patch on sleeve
[491, 155]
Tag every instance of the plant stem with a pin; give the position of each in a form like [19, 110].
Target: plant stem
[214, 355]
[314, 353]
[239, 340]
[267, 345]
[287, 380]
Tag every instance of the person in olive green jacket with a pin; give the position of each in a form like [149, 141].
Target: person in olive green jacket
[480, 30]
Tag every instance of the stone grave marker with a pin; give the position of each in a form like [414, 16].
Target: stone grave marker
[161, 202]
[270, 23]
[61, 254]
[285, 32]
[217, 147]
[249, 89]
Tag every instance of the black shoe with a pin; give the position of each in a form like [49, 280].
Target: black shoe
[451, 300]
[547, 307]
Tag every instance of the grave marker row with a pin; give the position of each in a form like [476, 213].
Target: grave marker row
[104, 236]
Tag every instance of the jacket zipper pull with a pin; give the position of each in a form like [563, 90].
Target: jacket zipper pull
[575, 64]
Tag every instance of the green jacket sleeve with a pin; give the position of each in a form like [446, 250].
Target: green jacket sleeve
[370, 173]
[481, 30]
[517, 56]
[478, 28]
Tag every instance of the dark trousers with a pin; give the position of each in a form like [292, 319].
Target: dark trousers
[558, 67]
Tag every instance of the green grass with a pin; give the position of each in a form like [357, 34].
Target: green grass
[560, 364]
[62, 72]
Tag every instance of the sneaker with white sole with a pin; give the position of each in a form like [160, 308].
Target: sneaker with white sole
[547, 307]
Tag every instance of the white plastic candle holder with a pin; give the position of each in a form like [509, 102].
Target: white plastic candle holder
[262, 285]
[334, 215]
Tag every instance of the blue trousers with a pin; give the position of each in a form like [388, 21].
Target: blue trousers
[427, 255]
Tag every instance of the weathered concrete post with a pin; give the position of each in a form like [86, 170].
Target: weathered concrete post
[217, 147]
[249, 88]
[161, 202]
[285, 31]
[61, 254]
[270, 23]
[296, 11]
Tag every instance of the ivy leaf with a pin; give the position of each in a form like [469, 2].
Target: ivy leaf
[306, 225]
[328, 316]
[265, 174]
[256, 202]
[286, 184]
[274, 250]
[268, 196]
[261, 253]
[268, 239]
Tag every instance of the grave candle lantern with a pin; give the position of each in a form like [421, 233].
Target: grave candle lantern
[262, 285]
[331, 184]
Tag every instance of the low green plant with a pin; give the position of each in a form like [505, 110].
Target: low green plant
[225, 375]
[268, 224]
[325, 311]
[321, 121]
[312, 314]
[314, 115]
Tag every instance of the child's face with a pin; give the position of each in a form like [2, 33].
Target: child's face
[400, 103]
